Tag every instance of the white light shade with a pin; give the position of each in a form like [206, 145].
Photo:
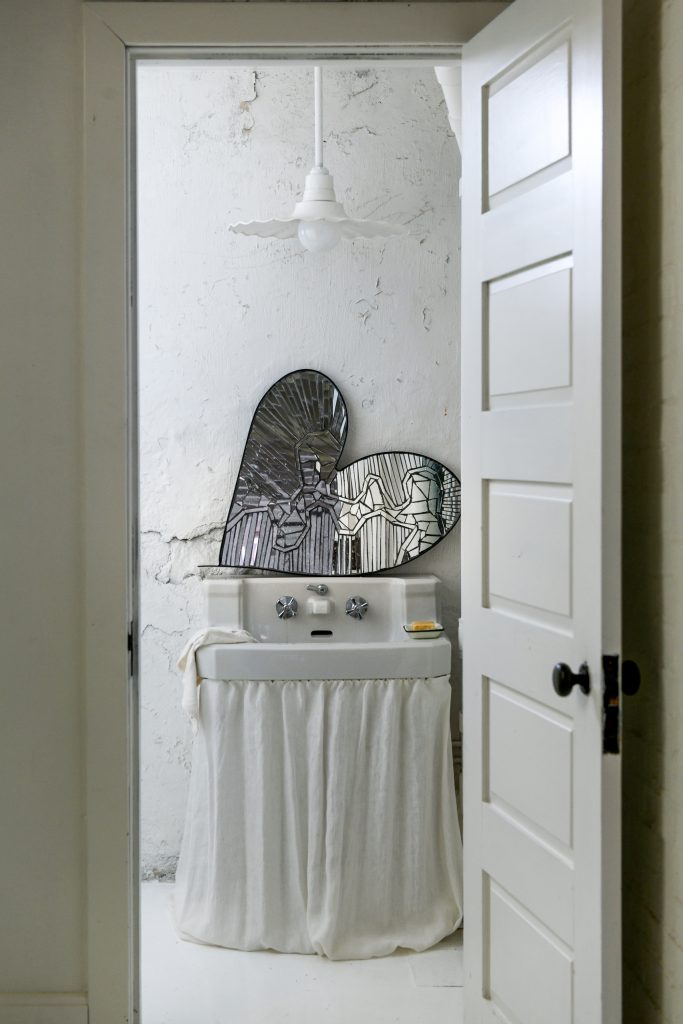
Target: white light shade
[318, 235]
[319, 203]
[318, 219]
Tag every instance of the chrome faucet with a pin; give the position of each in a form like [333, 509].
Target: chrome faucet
[318, 588]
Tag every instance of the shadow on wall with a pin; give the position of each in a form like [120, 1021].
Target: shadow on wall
[643, 481]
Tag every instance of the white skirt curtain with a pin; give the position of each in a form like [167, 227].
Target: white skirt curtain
[321, 818]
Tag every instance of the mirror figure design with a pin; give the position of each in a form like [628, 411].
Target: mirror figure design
[295, 511]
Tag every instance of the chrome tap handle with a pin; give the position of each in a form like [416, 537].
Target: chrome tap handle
[356, 607]
[286, 607]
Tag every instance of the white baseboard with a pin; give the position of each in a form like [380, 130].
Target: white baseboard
[43, 1008]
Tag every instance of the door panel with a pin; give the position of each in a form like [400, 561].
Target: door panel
[529, 342]
[529, 545]
[537, 95]
[516, 725]
[541, 512]
[530, 971]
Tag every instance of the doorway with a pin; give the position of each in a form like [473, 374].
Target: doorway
[583, 181]
[220, 318]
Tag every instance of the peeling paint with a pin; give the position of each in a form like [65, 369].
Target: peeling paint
[248, 120]
[366, 80]
[222, 316]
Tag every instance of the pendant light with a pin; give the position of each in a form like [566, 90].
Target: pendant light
[318, 219]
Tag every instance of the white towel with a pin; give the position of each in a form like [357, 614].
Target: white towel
[187, 663]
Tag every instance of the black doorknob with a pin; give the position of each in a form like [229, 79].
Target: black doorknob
[630, 678]
[564, 680]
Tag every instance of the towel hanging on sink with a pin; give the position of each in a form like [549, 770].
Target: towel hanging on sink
[187, 663]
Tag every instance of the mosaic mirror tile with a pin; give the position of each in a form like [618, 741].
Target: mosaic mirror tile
[295, 511]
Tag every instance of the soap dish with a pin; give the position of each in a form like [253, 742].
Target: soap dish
[424, 634]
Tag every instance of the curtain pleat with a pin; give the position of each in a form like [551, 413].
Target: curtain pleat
[321, 818]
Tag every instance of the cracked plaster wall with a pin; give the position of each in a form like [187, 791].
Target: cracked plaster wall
[223, 316]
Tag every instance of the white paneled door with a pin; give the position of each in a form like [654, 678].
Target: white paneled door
[541, 514]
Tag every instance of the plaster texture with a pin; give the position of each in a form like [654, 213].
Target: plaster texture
[223, 316]
[653, 510]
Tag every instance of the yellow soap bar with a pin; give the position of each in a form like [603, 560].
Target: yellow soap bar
[417, 626]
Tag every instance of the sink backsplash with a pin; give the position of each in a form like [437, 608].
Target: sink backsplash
[250, 602]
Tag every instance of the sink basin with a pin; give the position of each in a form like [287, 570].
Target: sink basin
[370, 660]
[321, 641]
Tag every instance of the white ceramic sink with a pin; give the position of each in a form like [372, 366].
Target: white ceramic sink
[371, 660]
[321, 641]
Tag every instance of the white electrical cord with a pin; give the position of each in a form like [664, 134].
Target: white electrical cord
[318, 88]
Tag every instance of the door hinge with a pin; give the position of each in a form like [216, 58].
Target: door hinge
[610, 704]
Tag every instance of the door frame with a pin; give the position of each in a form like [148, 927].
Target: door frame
[115, 35]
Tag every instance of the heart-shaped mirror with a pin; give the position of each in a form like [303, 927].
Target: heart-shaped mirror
[293, 511]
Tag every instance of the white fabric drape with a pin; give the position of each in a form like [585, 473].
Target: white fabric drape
[187, 663]
[321, 818]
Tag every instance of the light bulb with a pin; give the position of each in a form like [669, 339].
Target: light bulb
[318, 235]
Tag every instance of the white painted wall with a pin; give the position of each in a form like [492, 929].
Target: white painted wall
[653, 511]
[42, 840]
[223, 316]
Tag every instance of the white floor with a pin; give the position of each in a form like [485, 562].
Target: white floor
[185, 983]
